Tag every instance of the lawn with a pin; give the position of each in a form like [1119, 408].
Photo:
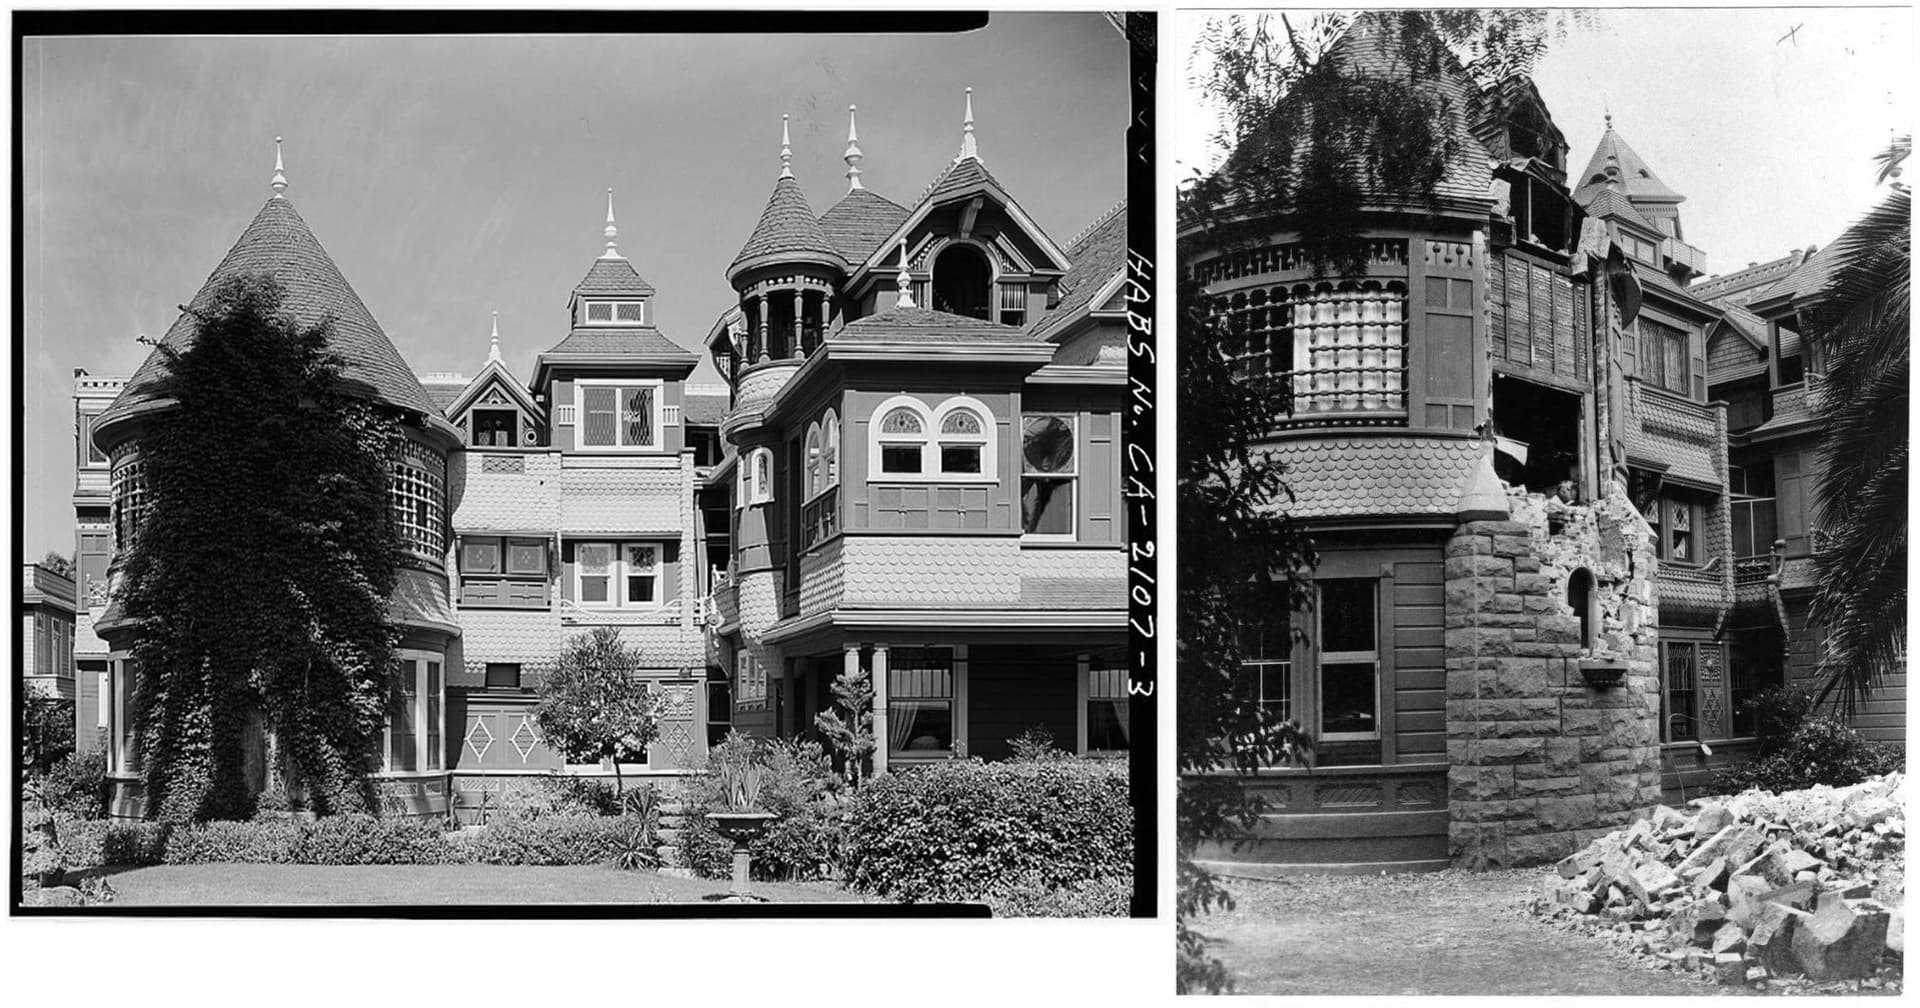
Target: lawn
[1448, 932]
[428, 885]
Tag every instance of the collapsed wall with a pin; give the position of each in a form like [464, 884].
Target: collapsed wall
[1545, 606]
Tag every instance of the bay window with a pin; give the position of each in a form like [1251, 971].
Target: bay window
[1049, 470]
[418, 493]
[619, 414]
[1341, 346]
[416, 714]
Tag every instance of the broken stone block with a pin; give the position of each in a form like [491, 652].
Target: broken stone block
[1798, 895]
[1770, 940]
[1712, 818]
[1730, 969]
[1897, 932]
[1729, 938]
[1794, 861]
[1841, 941]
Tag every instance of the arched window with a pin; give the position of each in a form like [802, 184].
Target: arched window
[816, 474]
[760, 476]
[966, 439]
[900, 438]
[963, 282]
[830, 448]
[1580, 599]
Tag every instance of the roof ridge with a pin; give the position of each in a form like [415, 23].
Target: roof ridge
[1095, 226]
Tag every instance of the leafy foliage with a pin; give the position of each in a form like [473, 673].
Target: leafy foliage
[76, 786]
[265, 453]
[850, 734]
[1821, 750]
[1030, 896]
[957, 830]
[48, 721]
[1860, 321]
[795, 781]
[594, 705]
[1036, 743]
[58, 562]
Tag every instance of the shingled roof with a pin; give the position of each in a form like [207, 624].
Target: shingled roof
[1097, 256]
[1810, 277]
[787, 232]
[1610, 202]
[622, 342]
[612, 275]
[1638, 181]
[278, 243]
[924, 325]
[860, 222]
[1756, 275]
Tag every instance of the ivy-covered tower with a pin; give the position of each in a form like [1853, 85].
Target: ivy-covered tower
[278, 243]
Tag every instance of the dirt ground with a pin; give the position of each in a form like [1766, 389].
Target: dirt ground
[1449, 932]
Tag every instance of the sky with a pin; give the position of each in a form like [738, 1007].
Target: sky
[452, 177]
[1769, 136]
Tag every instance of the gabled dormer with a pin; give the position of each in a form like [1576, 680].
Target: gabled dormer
[494, 410]
[613, 384]
[972, 250]
[1617, 169]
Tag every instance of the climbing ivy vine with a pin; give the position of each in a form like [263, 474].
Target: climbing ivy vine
[260, 573]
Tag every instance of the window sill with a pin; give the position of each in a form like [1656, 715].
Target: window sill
[965, 479]
[1057, 541]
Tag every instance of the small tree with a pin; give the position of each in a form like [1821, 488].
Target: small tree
[57, 563]
[594, 705]
[851, 734]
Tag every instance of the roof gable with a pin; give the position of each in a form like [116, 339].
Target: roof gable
[494, 375]
[964, 178]
[1099, 261]
[278, 242]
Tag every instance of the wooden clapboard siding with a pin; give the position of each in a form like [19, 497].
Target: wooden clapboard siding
[1419, 661]
[1882, 716]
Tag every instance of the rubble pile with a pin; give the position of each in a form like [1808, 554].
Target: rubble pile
[1753, 886]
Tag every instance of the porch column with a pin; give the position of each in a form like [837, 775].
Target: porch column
[880, 733]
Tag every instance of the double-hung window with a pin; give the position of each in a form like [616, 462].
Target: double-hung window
[921, 699]
[416, 714]
[625, 415]
[1106, 721]
[617, 575]
[1664, 356]
[1349, 659]
[1049, 469]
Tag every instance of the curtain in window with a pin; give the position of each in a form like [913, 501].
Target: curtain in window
[598, 404]
[639, 416]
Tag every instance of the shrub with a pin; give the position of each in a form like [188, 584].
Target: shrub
[558, 839]
[1036, 743]
[1108, 896]
[364, 839]
[77, 786]
[795, 781]
[1821, 750]
[266, 841]
[48, 737]
[954, 831]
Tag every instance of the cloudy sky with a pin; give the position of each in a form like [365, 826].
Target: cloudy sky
[1769, 135]
[451, 177]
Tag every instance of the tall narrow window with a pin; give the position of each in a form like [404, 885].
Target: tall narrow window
[1682, 713]
[90, 453]
[830, 448]
[433, 701]
[1680, 532]
[1013, 304]
[920, 698]
[416, 714]
[402, 720]
[643, 575]
[595, 561]
[815, 477]
[1580, 600]
[1266, 644]
[1664, 356]
[1048, 474]
[1108, 726]
[1349, 660]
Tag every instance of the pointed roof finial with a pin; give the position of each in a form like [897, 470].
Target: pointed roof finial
[786, 150]
[493, 352]
[853, 154]
[612, 232]
[904, 280]
[967, 146]
[279, 171]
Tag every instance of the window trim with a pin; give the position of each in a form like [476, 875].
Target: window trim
[422, 702]
[987, 440]
[620, 385]
[1071, 478]
[1084, 698]
[87, 451]
[957, 711]
[613, 312]
[617, 574]
[757, 486]
[473, 425]
[877, 441]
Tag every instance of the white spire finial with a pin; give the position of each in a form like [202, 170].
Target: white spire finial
[279, 171]
[786, 150]
[853, 152]
[967, 147]
[612, 232]
[493, 352]
[904, 280]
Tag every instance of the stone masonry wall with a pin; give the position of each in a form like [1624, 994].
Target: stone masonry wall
[1540, 761]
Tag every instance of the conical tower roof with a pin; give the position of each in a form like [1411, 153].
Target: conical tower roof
[279, 243]
[788, 232]
[1614, 160]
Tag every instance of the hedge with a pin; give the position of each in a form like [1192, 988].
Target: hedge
[351, 840]
[961, 830]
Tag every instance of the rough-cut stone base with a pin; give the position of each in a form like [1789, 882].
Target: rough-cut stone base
[1541, 763]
